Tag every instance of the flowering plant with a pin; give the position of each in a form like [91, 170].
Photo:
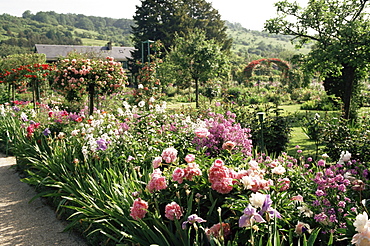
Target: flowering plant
[74, 77]
[136, 176]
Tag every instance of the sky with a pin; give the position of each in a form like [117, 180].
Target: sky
[251, 14]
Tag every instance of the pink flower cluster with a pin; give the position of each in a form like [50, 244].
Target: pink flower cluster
[169, 155]
[253, 178]
[222, 132]
[76, 74]
[221, 177]
[179, 174]
[192, 169]
[139, 209]
[157, 181]
[31, 128]
[172, 211]
[219, 230]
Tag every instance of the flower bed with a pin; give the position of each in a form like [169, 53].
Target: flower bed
[149, 176]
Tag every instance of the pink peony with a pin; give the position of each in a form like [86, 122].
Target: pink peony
[221, 177]
[284, 184]
[139, 209]
[178, 175]
[216, 232]
[229, 145]
[224, 186]
[157, 162]
[157, 182]
[169, 155]
[192, 170]
[190, 158]
[201, 132]
[298, 198]
[172, 211]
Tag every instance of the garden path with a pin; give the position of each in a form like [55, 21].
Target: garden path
[23, 223]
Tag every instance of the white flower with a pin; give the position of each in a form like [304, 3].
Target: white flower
[362, 222]
[140, 86]
[141, 104]
[247, 182]
[257, 199]
[75, 132]
[325, 156]
[278, 170]
[126, 105]
[305, 210]
[345, 156]
[152, 99]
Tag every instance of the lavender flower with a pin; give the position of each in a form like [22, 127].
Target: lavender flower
[192, 219]
[250, 215]
[46, 132]
[102, 144]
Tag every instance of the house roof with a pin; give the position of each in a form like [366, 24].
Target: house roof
[54, 52]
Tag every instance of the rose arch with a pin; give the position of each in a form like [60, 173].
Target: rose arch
[283, 66]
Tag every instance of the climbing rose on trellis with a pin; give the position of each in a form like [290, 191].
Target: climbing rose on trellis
[281, 64]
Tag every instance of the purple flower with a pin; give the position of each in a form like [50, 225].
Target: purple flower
[250, 215]
[342, 204]
[321, 217]
[102, 144]
[46, 132]
[320, 193]
[266, 207]
[321, 163]
[192, 219]
[15, 108]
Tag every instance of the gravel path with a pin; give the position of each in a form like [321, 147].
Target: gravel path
[23, 223]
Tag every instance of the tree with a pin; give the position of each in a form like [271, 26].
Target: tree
[197, 58]
[76, 76]
[161, 19]
[21, 70]
[340, 30]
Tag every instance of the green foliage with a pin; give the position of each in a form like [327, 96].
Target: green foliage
[326, 103]
[197, 59]
[334, 26]
[274, 132]
[340, 135]
[165, 19]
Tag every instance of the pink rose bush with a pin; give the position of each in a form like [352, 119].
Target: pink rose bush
[72, 76]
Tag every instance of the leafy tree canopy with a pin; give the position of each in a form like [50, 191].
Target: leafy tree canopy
[340, 30]
[198, 59]
[160, 20]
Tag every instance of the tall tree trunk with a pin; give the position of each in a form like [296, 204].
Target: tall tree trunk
[91, 98]
[13, 92]
[348, 76]
[196, 92]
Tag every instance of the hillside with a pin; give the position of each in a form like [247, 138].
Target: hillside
[20, 34]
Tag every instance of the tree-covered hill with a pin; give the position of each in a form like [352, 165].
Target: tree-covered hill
[20, 34]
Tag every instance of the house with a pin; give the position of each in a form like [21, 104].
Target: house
[55, 52]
